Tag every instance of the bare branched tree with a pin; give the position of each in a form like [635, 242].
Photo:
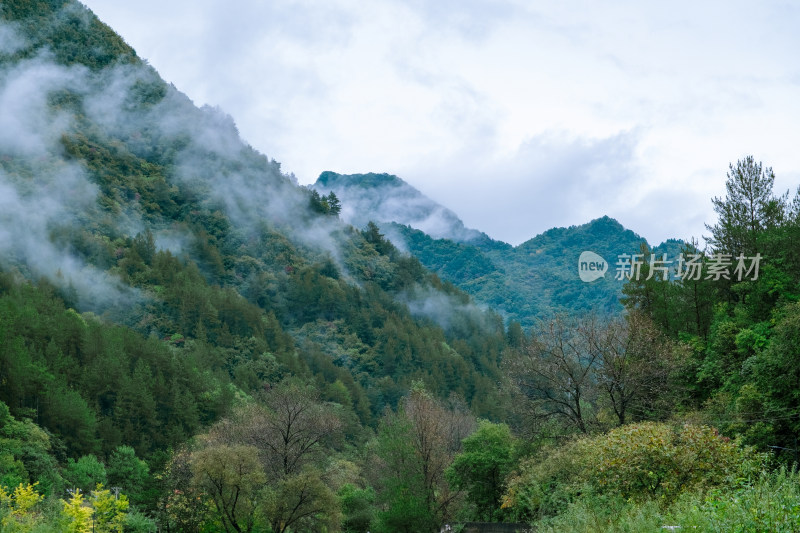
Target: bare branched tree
[437, 431]
[636, 365]
[555, 372]
[415, 445]
[573, 368]
[289, 430]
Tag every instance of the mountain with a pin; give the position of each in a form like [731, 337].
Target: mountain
[526, 282]
[385, 198]
[182, 323]
[156, 270]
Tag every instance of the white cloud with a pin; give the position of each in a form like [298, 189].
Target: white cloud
[426, 90]
[551, 180]
[42, 195]
[11, 41]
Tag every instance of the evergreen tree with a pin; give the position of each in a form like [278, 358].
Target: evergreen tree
[748, 209]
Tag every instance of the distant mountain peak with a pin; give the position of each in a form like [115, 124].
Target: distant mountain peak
[385, 198]
[605, 220]
[524, 282]
[606, 224]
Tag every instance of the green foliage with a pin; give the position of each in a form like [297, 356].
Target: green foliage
[137, 522]
[68, 29]
[231, 476]
[637, 462]
[26, 454]
[545, 484]
[358, 512]
[103, 512]
[127, 471]
[301, 502]
[85, 473]
[62, 359]
[748, 209]
[263, 466]
[536, 278]
[182, 506]
[767, 503]
[654, 460]
[20, 509]
[487, 457]
[403, 487]
[325, 205]
[411, 453]
[740, 333]
[110, 511]
[78, 514]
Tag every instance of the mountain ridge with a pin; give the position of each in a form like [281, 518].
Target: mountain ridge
[524, 282]
[176, 271]
[388, 198]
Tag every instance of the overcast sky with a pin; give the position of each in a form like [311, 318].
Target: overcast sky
[519, 116]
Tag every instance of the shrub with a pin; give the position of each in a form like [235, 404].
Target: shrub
[638, 462]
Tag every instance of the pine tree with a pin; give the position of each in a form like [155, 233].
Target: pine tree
[748, 209]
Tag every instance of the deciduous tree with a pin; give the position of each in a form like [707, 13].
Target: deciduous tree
[482, 467]
[555, 372]
[232, 476]
[636, 365]
[414, 447]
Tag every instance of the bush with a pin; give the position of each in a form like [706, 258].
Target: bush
[136, 522]
[637, 462]
[647, 460]
[548, 482]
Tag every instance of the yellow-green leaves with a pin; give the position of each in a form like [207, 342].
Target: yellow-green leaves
[19, 508]
[79, 514]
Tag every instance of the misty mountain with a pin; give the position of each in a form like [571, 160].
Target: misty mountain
[385, 198]
[529, 281]
[182, 323]
[540, 276]
[166, 258]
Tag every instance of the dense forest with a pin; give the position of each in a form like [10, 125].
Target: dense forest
[524, 283]
[687, 406]
[191, 341]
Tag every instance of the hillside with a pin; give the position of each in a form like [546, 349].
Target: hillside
[192, 342]
[385, 198]
[525, 282]
[157, 270]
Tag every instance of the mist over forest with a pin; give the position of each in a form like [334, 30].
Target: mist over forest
[192, 341]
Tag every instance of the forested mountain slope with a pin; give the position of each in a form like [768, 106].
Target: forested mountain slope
[191, 342]
[382, 198]
[157, 269]
[526, 282]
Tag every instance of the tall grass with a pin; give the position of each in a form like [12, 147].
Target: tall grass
[770, 503]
